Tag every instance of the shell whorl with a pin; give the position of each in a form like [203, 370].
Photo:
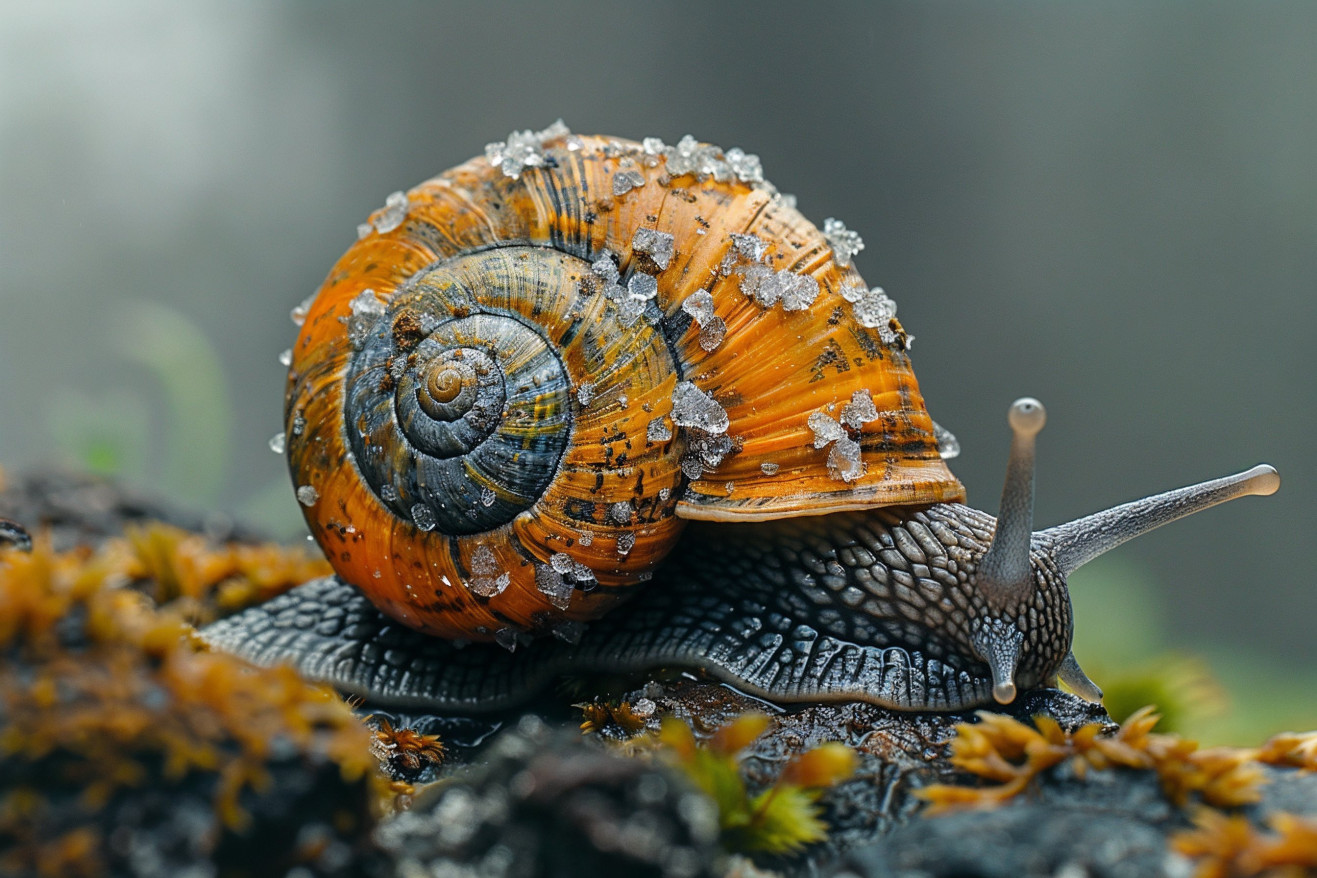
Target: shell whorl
[510, 393]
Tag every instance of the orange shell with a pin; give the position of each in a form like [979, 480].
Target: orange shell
[487, 248]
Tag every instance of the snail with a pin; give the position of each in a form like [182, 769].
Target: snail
[530, 373]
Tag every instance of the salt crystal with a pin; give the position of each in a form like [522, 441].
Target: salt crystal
[748, 246]
[625, 543]
[620, 512]
[691, 467]
[853, 292]
[873, 309]
[586, 538]
[683, 158]
[561, 561]
[713, 333]
[844, 461]
[657, 244]
[307, 495]
[692, 407]
[622, 401]
[642, 287]
[844, 243]
[574, 143]
[522, 149]
[762, 284]
[626, 179]
[366, 303]
[585, 393]
[364, 229]
[664, 494]
[798, 291]
[825, 429]
[277, 442]
[643, 707]
[286, 357]
[605, 267]
[581, 573]
[947, 445]
[699, 305]
[298, 314]
[653, 146]
[860, 410]
[487, 496]
[786, 200]
[551, 584]
[423, 517]
[553, 132]
[388, 493]
[394, 212]
[630, 309]
[484, 561]
[769, 469]
[299, 424]
[658, 431]
[745, 165]
[708, 448]
[506, 638]
[489, 586]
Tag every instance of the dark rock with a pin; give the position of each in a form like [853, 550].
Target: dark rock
[547, 803]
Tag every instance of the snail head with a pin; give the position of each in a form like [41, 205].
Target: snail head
[1022, 569]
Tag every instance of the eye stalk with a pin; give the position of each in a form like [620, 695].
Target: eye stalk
[1005, 575]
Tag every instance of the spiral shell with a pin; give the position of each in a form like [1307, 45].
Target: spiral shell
[510, 393]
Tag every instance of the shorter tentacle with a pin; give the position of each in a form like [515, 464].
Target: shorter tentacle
[14, 534]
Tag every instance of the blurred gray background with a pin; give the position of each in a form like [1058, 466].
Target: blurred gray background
[1112, 207]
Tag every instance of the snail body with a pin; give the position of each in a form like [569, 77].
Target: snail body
[512, 394]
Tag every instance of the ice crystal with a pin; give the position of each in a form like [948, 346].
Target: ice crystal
[561, 561]
[658, 431]
[873, 309]
[844, 243]
[657, 244]
[825, 429]
[585, 393]
[286, 357]
[586, 538]
[625, 543]
[769, 469]
[620, 512]
[524, 149]
[487, 496]
[298, 314]
[605, 267]
[860, 410]
[551, 584]
[713, 333]
[745, 165]
[364, 229]
[948, 446]
[798, 291]
[484, 561]
[748, 246]
[699, 305]
[627, 178]
[844, 461]
[642, 287]
[307, 495]
[692, 407]
[489, 586]
[653, 146]
[277, 442]
[393, 213]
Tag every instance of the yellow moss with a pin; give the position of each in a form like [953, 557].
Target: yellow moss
[1231, 847]
[1290, 749]
[598, 715]
[112, 693]
[1009, 754]
[407, 751]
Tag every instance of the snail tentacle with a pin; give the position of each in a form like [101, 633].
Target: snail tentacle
[14, 534]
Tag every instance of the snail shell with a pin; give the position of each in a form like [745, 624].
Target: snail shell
[512, 391]
[530, 372]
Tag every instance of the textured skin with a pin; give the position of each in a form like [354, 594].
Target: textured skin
[851, 606]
